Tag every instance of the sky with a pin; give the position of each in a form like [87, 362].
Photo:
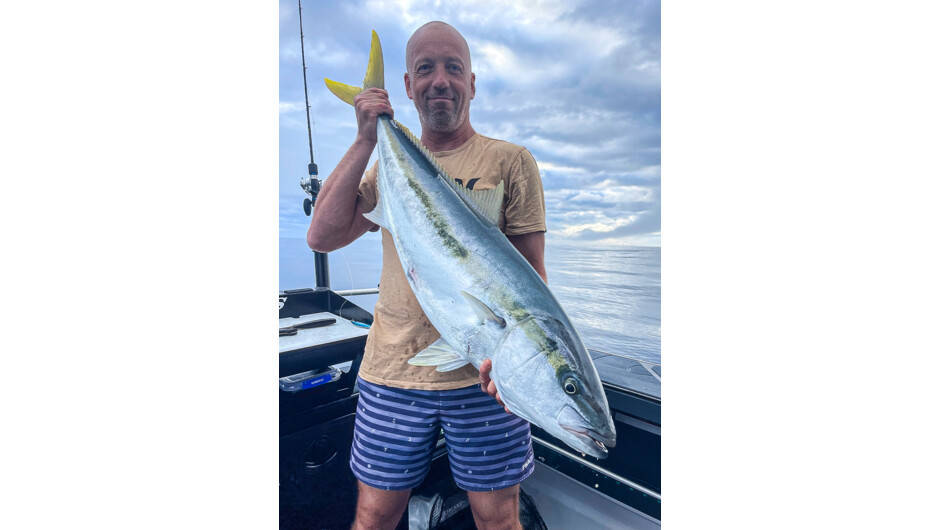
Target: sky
[575, 82]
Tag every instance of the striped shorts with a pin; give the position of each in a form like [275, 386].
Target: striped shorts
[396, 432]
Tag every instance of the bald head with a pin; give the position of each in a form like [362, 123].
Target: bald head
[435, 30]
[441, 84]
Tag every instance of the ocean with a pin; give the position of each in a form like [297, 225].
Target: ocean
[611, 294]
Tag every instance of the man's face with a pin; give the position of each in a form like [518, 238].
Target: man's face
[439, 79]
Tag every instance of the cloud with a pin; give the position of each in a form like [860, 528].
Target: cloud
[289, 106]
[599, 227]
[613, 195]
[644, 224]
[575, 82]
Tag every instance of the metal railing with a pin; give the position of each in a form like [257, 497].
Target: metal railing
[357, 292]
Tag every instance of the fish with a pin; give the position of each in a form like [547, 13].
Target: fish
[479, 292]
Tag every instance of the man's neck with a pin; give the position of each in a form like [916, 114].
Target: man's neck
[446, 141]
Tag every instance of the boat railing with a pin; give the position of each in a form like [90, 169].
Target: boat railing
[357, 292]
[644, 362]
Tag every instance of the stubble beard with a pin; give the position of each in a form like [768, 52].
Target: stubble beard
[442, 120]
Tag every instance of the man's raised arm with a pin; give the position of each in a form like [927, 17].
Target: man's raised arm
[337, 220]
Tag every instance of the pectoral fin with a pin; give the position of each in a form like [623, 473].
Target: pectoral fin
[441, 355]
[377, 216]
[482, 310]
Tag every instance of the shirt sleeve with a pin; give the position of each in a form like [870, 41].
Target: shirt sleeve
[368, 196]
[525, 209]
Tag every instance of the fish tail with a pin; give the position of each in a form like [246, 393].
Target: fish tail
[375, 75]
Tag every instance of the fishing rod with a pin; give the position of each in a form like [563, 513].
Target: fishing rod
[310, 183]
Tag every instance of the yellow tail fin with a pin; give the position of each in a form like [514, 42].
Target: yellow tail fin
[375, 75]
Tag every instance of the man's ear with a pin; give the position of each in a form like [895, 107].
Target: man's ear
[408, 86]
[473, 84]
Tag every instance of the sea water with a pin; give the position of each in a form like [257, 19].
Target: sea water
[610, 293]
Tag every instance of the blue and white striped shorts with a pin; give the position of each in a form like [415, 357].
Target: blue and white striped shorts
[396, 431]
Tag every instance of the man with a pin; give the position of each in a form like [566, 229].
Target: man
[488, 458]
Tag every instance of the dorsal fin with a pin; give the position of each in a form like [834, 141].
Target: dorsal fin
[485, 203]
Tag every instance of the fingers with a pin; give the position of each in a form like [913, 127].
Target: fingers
[373, 102]
[370, 104]
[491, 390]
[488, 385]
[485, 369]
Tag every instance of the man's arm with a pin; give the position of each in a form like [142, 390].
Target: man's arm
[532, 248]
[337, 219]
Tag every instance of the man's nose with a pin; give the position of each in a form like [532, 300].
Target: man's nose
[440, 79]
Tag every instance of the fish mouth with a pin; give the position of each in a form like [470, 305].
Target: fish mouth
[591, 441]
[591, 437]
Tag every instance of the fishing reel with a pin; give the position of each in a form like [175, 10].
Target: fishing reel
[311, 185]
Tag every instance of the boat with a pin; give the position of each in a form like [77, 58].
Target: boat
[322, 339]
[320, 353]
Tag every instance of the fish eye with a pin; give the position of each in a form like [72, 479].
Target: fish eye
[571, 386]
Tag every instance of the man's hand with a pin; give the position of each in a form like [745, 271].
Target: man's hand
[370, 104]
[487, 384]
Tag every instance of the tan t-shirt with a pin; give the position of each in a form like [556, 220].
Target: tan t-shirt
[400, 328]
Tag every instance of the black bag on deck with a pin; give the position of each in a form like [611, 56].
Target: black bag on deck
[450, 510]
